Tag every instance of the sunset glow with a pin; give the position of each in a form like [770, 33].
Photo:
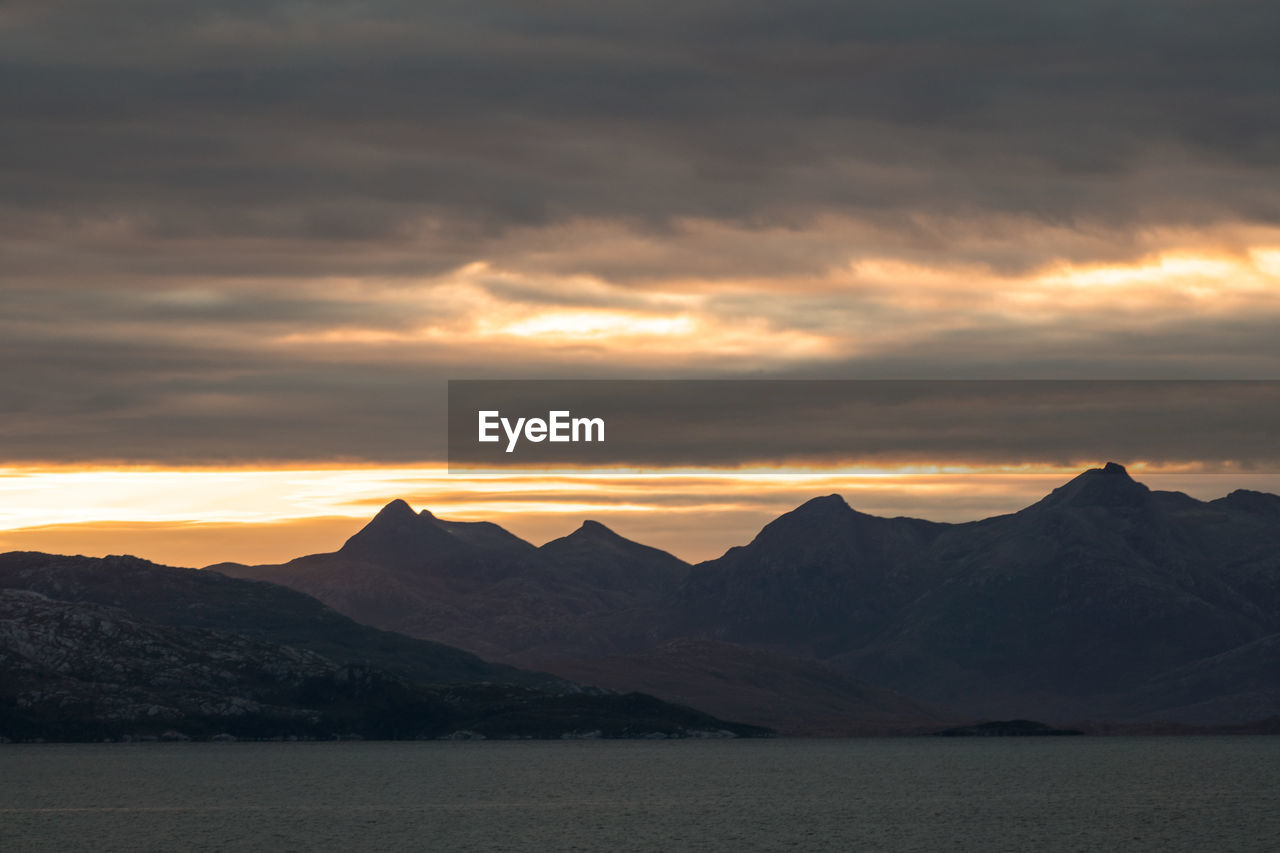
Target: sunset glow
[201, 516]
[244, 256]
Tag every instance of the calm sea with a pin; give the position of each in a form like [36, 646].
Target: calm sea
[1078, 794]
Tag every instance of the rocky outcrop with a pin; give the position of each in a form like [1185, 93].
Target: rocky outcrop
[76, 670]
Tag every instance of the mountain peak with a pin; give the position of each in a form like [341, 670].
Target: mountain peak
[396, 534]
[828, 509]
[826, 503]
[595, 533]
[817, 519]
[1109, 486]
[600, 558]
[397, 508]
[594, 528]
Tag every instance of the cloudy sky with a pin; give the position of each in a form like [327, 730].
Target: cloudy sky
[249, 240]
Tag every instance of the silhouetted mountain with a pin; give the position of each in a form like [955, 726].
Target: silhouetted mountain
[816, 580]
[1086, 594]
[422, 544]
[479, 587]
[74, 668]
[595, 556]
[1105, 599]
[397, 537]
[1064, 609]
[1260, 504]
[1108, 486]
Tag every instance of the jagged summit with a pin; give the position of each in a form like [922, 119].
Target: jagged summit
[397, 518]
[396, 534]
[399, 534]
[1108, 486]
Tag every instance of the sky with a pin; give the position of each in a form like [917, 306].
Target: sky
[246, 240]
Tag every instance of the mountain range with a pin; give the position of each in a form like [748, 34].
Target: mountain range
[1105, 600]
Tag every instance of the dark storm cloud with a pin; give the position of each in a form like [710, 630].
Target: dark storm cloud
[354, 121]
[184, 404]
[186, 187]
[1241, 347]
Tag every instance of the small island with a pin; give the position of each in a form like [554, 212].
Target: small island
[1007, 728]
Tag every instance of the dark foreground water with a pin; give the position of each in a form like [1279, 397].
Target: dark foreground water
[1086, 794]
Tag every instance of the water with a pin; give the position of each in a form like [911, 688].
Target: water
[1068, 794]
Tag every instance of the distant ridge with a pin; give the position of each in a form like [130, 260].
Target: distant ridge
[1104, 600]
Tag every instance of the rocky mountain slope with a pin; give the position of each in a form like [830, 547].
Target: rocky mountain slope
[791, 695]
[179, 653]
[189, 598]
